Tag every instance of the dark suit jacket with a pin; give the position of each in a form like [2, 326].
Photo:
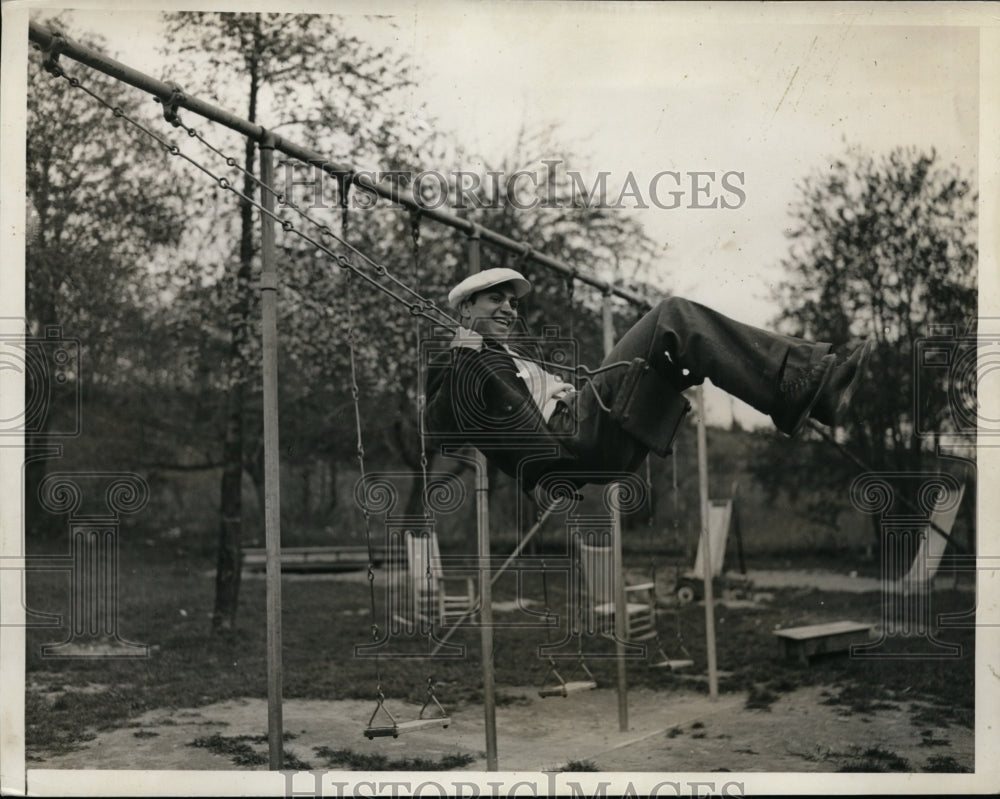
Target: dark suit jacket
[476, 397]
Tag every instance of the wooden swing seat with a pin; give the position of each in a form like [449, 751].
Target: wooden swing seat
[672, 664]
[403, 727]
[572, 687]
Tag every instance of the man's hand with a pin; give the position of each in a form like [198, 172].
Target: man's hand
[557, 389]
[467, 338]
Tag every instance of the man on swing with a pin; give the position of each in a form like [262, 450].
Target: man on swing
[530, 423]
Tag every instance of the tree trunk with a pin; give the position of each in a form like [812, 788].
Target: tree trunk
[227, 576]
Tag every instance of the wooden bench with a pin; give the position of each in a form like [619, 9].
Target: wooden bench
[313, 559]
[821, 639]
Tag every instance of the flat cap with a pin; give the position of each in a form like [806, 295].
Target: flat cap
[488, 278]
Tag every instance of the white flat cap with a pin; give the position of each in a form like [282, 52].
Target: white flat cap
[481, 281]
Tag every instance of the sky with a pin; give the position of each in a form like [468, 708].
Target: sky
[638, 89]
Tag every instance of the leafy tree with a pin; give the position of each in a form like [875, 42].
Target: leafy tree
[102, 215]
[884, 247]
[325, 88]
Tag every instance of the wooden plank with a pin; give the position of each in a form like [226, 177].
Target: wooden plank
[820, 639]
[820, 630]
[313, 558]
[566, 689]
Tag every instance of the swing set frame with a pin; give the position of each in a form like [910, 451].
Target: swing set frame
[54, 44]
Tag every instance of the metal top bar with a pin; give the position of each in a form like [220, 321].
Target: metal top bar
[44, 37]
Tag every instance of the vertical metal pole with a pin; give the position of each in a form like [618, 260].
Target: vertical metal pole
[272, 496]
[621, 607]
[485, 581]
[706, 547]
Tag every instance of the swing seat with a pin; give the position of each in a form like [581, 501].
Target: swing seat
[672, 665]
[649, 408]
[571, 687]
[403, 727]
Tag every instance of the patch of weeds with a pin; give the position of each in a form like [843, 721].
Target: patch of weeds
[145, 734]
[293, 762]
[699, 734]
[859, 699]
[746, 751]
[945, 763]
[941, 717]
[697, 726]
[875, 758]
[580, 765]
[760, 699]
[238, 749]
[673, 732]
[927, 739]
[355, 761]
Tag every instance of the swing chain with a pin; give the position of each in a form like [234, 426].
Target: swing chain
[366, 513]
[415, 217]
[421, 307]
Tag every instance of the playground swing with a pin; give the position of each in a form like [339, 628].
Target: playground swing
[562, 687]
[584, 679]
[417, 305]
[661, 660]
[394, 728]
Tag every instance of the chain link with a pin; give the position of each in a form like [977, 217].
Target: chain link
[421, 305]
[421, 397]
[365, 512]
[418, 305]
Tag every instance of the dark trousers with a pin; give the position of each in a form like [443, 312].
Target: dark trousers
[686, 343]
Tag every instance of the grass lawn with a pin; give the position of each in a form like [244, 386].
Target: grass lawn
[166, 601]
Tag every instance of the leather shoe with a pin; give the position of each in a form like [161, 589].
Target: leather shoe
[799, 391]
[843, 382]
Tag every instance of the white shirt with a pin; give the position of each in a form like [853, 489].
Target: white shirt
[540, 384]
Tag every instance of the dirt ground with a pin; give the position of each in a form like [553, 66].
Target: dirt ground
[667, 732]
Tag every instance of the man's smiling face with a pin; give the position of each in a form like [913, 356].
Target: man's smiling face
[491, 312]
